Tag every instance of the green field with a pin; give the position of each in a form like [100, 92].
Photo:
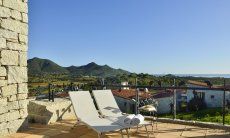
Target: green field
[207, 115]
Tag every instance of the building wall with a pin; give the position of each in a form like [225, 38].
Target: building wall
[217, 101]
[164, 105]
[125, 105]
[13, 65]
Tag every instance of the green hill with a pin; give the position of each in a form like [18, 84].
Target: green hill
[44, 66]
[38, 66]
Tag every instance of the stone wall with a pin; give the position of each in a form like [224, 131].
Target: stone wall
[46, 112]
[13, 65]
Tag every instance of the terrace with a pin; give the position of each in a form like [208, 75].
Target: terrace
[63, 129]
[66, 127]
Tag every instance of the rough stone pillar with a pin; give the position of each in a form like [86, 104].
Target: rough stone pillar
[13, 65]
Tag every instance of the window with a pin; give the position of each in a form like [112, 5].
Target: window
[212, 96]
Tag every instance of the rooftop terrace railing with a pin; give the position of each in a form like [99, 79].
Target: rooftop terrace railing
[223, 89]
[51, 94]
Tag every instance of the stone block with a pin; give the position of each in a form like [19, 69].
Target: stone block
[9, 90]
[16, 4]
[46, 112]
[12, 98]
[2, 43]
[23, 113]
[9, 57]
[22, 96]
[9, 35]
[16, 125]
[23, 38]
[3, 109]
[4, 132]
[9, 116]
[22, 88]
[16, 15]
[17, 74]
[23, 59]
[3, 125]
[3, 101]
[3, 83]
[4, 12]
[13, 105]
[23, 104]
[15, 26]
[25, 17]
[2, 71]
[16, 46]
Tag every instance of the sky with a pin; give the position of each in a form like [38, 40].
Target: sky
[142, 36]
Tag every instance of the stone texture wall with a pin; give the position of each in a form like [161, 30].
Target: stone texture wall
[46, 112]
[13, 65]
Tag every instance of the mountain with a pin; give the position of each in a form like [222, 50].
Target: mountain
[44, 66]
[92, 69]
[38, 66]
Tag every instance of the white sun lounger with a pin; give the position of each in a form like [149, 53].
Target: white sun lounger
[108, 107]
[86, 113]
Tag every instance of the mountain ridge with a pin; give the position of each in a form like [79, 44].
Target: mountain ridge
[37, 66]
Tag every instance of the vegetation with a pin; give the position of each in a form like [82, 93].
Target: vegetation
[205, 115]
[39, 67]
[42, 72]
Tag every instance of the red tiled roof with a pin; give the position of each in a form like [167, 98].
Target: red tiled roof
[206, 85]
[62, 95]
[198, 83]
[167, 93]
[221, 86]
[130, 94]
[162, 95]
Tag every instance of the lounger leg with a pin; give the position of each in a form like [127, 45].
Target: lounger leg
[152, 125]
[121, 134]
[147, 131]
[153, 133]
[137, 128]
[127, 131]
[99, 135]
[156, 126]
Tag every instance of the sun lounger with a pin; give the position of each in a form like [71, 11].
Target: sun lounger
[108, 107]
[86, 113]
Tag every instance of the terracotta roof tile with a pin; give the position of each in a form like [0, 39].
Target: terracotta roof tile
[130, 94]
[198, 83]
[162, 95]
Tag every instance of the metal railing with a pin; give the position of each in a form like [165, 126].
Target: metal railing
[224, 89]
[174, 88]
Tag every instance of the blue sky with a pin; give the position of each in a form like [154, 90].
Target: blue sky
[149, 36]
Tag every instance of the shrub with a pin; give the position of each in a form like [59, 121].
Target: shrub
[196, 104]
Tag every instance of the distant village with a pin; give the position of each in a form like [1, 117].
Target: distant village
[164, 98]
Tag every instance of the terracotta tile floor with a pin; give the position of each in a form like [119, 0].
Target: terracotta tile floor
[63, 129]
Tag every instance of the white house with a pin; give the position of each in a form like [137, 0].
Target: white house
[165, 100]
[212, 98]
[125, 83]
[124, 99]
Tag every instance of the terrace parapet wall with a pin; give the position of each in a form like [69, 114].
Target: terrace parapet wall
[13, 65]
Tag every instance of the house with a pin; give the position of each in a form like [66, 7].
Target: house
[212, 98]
[125, 83]
[125, 99]
[164, 99]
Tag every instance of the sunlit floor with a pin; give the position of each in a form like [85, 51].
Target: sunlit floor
[64, 129]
